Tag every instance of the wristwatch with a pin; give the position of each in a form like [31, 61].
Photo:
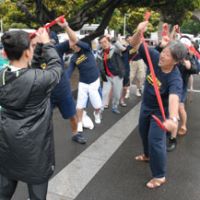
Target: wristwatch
[174, 119]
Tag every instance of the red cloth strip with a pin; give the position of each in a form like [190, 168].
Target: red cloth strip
[194, 51]
[155, 85]
[61, 19]
[159, 123]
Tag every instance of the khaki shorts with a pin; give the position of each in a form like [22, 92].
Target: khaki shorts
[137, 71]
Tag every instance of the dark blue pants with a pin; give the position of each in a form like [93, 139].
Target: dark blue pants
[8, 187]
[154, 141]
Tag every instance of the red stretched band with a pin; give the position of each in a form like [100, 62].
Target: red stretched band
[61, 19]
[194, 51]
[159, 123]
[155, 85]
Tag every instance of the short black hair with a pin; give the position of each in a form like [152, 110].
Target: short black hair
[103, 36]
[15, 43]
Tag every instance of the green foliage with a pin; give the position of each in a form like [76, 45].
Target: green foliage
[132, 18]
[117, 21]
[173, 11]
[137, 15]
[18, 25]
[176, 11]
[67, 7]
[12, 18]
[191, 26]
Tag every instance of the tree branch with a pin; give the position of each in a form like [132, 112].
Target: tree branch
[25, 10]
[104, 23]
[86, 14]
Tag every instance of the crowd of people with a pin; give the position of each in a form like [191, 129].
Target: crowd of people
[36, 73]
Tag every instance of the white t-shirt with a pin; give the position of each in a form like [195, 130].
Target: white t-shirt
[13, 68]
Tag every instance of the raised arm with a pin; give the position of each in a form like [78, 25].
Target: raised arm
[68, 30]
[49, 77]
[175, 30]
[135, 40]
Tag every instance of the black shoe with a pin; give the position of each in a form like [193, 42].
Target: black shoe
[171, 144]
[79, 138]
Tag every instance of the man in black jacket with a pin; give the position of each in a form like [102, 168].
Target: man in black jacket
[26, 129]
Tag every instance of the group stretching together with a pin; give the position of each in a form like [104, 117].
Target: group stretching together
[36, 80]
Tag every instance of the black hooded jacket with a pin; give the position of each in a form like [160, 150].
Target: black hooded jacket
[115, 63]
[26, 130]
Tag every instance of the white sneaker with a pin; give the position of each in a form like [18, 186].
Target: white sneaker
[138, 94]
[87, 122]
[80, 127]
[97, 117]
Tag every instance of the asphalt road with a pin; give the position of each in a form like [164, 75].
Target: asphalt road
[121, 177]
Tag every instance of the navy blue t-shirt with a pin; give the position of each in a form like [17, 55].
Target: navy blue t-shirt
[168, 83]
[54, 36]
[125, 58]
[86, 63]
[63, 87]
[62, 48]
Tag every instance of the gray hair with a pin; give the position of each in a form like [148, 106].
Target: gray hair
[178, 50]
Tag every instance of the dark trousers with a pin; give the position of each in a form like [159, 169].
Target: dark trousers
[8, 187]
[154, 142]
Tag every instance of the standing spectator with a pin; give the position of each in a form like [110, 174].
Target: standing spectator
[112, 70]
[26, 129]
[124, 53]
[137, 68]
